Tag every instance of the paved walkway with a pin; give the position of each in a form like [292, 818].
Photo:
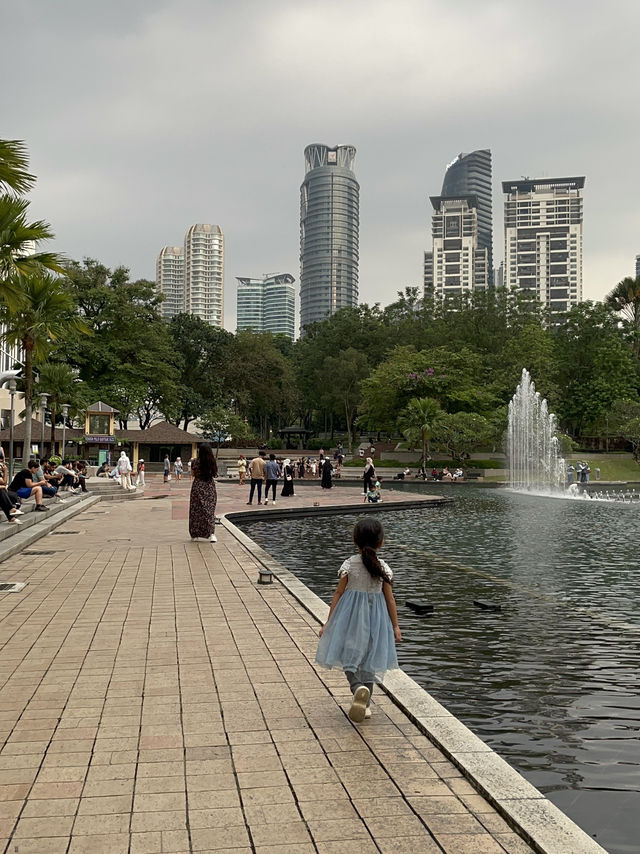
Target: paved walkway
[154, 699]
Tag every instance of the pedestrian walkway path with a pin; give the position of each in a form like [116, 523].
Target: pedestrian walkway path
[153, 698]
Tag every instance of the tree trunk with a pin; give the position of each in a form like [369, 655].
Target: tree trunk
[349, 440]
[28, 396]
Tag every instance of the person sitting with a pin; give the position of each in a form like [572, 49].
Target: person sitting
[458, 474]
[24, 485]
[446, 474]
[373, 494]
[69, 481]
[104, 469]
[9, 501]
[407, 472]
[81, 473]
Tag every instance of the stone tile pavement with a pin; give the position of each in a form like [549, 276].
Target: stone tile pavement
[153, 699]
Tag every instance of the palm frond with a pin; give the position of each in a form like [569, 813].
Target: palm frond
[14, 160]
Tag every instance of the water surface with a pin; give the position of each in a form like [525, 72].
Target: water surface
[551, 682]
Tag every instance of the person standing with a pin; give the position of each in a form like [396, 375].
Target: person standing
[258, 473]
[203, 498]
[166, 469]
[242, 469]
[287, 472]
[124, 470]
[140, 473]
[273, 473]
[327, 472]
[177, 468]
[369, 475]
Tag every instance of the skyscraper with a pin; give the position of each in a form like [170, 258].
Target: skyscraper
[170, 280]
[204, 273]
[329, 232]
[637, 266]
[267, 304]
[456, 263]
[470, 175]
[543, 239]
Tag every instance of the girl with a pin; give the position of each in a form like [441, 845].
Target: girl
[362, 628]
[140, 473]
[177, 468]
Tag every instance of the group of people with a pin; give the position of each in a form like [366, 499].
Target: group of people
[267, 472]
[39, 480]
[580, 473]
[302, 468]
[122, 471]
[446, 475]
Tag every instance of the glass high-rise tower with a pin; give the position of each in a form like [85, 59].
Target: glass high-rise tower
[470, 175]
[329, 232]
[267, 304]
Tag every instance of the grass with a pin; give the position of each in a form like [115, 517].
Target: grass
[619, 467]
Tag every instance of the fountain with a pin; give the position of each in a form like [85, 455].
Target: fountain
[535, 463]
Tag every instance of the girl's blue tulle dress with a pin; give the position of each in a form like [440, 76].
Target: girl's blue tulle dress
[359, 635]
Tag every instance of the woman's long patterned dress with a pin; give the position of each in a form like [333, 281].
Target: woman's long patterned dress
[202, 505]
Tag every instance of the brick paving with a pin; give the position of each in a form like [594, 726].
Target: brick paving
[154, 699]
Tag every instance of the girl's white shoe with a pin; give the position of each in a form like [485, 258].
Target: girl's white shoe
[367, 712]
[213, 538]
[358, 709]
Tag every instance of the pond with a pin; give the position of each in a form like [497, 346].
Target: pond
[552, 681]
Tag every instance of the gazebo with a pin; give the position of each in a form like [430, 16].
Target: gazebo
[288, 433]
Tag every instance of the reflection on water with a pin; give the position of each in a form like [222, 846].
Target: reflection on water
[552, 681]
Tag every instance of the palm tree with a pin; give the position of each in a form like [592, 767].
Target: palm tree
[625, 298]
[13, 167]
[44, 314]
[61, 384]
[418, 420]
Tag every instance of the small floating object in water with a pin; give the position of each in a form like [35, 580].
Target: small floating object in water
[487, 606]
[419, 607]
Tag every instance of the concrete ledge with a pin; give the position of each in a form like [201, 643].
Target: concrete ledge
[57, 515]
[335, 509]
[542, 825]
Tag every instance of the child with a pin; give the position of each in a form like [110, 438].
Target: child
[373, 494]
[362, 628]
[140, 473]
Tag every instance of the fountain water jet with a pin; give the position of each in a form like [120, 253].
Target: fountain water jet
[535, 463]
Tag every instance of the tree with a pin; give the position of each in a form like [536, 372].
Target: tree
[130, 361]
[345, 372]
[204, 356]
[461, 433]
[419, 421]
[594, 366]
[221, 422]
[45, 315]
[625, 298]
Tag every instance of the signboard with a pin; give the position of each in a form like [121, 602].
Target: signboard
[332, 156]
[99, 440]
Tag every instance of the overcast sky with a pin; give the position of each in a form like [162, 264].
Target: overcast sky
[145, 116]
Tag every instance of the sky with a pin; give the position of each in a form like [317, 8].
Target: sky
[143, 117]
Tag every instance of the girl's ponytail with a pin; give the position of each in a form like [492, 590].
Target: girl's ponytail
[368, 535]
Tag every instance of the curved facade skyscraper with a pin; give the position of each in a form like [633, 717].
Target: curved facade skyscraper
[329, 232]
[470, 175]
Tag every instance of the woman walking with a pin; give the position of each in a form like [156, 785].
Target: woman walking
[124, 470]
[242, 469]
[203, 499]
[166, 469]
[178, 469]
[287, 473]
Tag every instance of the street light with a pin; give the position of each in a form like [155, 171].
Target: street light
[65, 412]
[43, 407]
[12, 392]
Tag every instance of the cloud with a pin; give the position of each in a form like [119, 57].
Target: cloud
[144, 118]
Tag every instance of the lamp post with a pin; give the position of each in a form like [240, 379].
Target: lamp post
[12, 392]
[43, 407]
[65, 412]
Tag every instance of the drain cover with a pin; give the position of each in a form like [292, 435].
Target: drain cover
[12, 587]
[61, 533]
